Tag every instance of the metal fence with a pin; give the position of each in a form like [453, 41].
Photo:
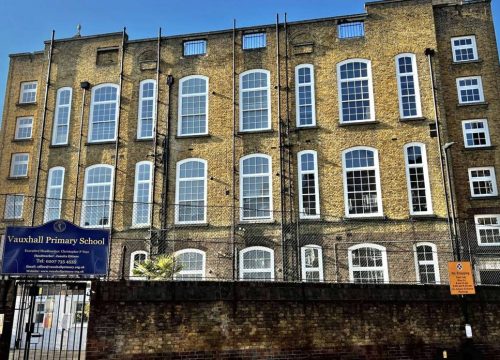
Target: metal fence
[206, 245]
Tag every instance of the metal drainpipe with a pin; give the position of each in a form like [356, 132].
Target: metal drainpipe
[42, 132]
[166, 156]
[233, 162]
[155, 133]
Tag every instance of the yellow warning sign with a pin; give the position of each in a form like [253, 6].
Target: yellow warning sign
[461, 279]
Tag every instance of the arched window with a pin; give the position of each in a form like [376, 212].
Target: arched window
[355, 91]
[62, 116]
[193, 106]
[147, 105]
[368, 264]
[141, 215]
[426, 263]
[257, 263]
[191, 191]
[417, 176]
[361, 182]
[255, 187]
[104, 113]
[97, 196]
[312, 263]
[192, 264]
[54, 194]
[408, 88]
[308, 184]
[255, 101]
[304, 95]
[137, 258]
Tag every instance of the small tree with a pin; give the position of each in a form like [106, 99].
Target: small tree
[162, 267]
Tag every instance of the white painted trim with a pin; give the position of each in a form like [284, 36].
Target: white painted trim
[85, 185]
[22, 91]
[50, 186]
[414, 74]
[14, 197]
[479, 86]
[15, 161]
[192, 272]
[384, 267]
[177, 181]
[302, 213]
[303, 261]
[479, 227]
[132, 263]
[55, 124]
[245, 271]
[313, 94]
[473, 45]
[181, 97]
[434, 261]
[424, 165]
[139, 113]
[491, 178]
[92, 103]
[485, 130]
[18, 127]
[268, 89]
[136, 185]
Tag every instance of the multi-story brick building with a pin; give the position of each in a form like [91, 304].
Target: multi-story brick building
[300, 150]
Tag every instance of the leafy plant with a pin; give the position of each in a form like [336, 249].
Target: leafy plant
[160, 268]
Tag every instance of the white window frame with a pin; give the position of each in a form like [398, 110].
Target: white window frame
[85, 186]
[24, 126]
[385, 265]
[268, 89]
[491, 178]
[246, 46]
[486, 227]
[50, 186]
[473, 45]
[425, 167]
[23, 91]
[191, 272]
[135, 223]
[139, 114]
[15, 162]
[181, 97]
[377, 179]
[117, 111]
[132, 264]
[303, 262]
[56, 115]
[434, 262]
[197, 44]
[7, 211]
[302, 212]
[313, 94]
[485, 130]
[479, 87]
[177, 187]
[416, 83]
[244, 271]
[370, 90]
[242, 175]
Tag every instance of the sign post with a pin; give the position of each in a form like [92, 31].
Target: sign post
[461, 279]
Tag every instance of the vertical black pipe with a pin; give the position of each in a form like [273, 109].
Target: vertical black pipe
[155, 131]
[79, 157]
[233, 163]
[166, 157]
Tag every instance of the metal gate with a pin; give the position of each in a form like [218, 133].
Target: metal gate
[50, 320]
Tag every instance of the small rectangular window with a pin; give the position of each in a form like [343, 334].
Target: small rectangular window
[464, 48]
[24, 128]
[487, 229]
[14, 207]
[351, 30]
[28, 92]
[476, 133]
[195, 47]
[254, 41]
[482, 182]
[19, 165]
[470, 90]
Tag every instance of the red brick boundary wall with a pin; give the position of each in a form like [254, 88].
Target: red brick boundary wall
[222, 320]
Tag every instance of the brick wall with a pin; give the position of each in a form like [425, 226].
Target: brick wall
[218, 320]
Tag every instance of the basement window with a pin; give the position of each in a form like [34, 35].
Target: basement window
[195, 47]
[351, 30]
[107, 56]
[254, 41]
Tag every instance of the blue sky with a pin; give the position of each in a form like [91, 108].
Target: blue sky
[24, 25]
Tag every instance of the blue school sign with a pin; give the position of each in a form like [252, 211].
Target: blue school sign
[55, 248]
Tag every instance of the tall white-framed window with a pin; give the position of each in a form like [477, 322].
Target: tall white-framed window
[97, 196]
[362, 195]
[308, 184]
[368, 264]
[255, 100]
[193, 106]
[304, 95]
[417, 179]
[464, 48]
[54, 194]
[137, 258]
[470, 90]
[141, 214]
[483, 182]
[191, 191]
[257, 263]
[104, 113]
[14, 205]
[356, 103]
[24, 128]
[426, 263]
[192, 264]
[62, 114]
[408, 86]
[476, 133]
[488, 229]
[28, 92]
[312, 263]
[19, 165]
[147, 105]
[256, 200]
